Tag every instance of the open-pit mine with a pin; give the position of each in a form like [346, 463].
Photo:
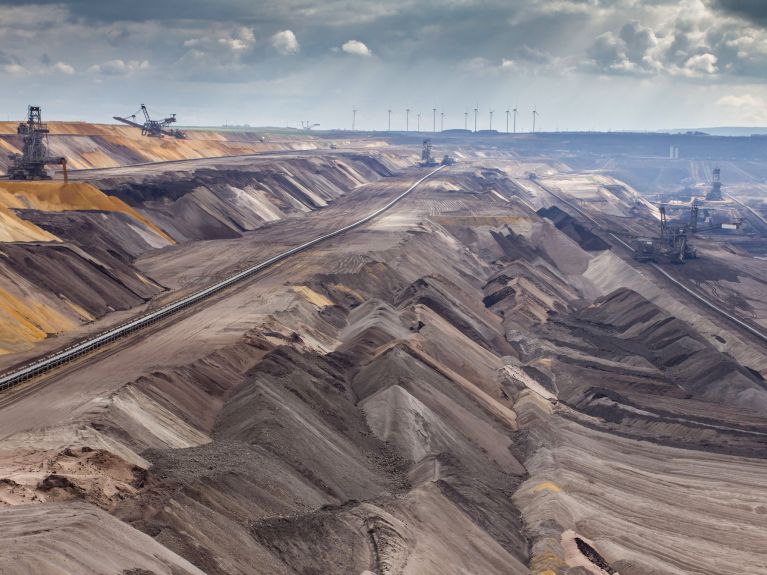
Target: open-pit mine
[325, 354]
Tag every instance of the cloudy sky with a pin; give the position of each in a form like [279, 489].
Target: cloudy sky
[585, 64]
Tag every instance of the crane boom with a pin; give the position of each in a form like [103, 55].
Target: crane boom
[153, 128]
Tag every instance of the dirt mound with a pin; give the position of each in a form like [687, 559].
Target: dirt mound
[574, 230]
[454, 388]
[105, 146]
[57, 197]
[91, 540]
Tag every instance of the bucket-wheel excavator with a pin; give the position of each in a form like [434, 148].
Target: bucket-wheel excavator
[153, 128]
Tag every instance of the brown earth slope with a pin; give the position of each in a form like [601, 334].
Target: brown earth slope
[458, 387]
[51, 289]
[88, 146]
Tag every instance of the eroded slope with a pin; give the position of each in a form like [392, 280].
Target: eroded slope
[458, 387]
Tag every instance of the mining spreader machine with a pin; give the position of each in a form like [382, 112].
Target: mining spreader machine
[673, 245]
[30, 164]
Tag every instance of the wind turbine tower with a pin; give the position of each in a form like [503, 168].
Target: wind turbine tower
[466, 120]
[434, 124]
[442, 121]
[389, 119]
[419, 122]
[476, 111]
[507, 120]
[354, 119]
[491, 119]
[535, 115]
[407, 120]
[515, 111]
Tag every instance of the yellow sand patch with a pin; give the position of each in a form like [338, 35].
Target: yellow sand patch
[544, 362]
[546, 564]
[547, 486]
[57, 196]
[97, 159]
[347, 290]
[79, 310]
[316, 298]
[8, 147]
[146, 281]
[14, 229]
[23, 323]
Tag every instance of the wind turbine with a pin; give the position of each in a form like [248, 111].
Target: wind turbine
[535, 115]
[434, 125]
[507, 120]
[515, 111]
[419, 122]
[442, 121]
[466, 120]
[476, 111]
[354, 119]
[389, 119]
[407, 120]
[491, 119]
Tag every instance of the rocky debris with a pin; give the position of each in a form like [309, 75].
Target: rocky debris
[76, 537]
[574, 230]
[449, 390]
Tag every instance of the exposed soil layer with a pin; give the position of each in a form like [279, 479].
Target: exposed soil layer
[460, 386]
[88, 146]
[574, 230]
[221, 202]
[52, 289]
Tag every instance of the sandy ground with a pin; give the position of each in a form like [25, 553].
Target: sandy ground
[73, 540]
[103, 232]
[459, 386]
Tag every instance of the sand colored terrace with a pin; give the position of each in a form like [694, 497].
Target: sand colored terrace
[107, 146]
[54, 196]
[30, 311]
[21, 322]
[15, 229]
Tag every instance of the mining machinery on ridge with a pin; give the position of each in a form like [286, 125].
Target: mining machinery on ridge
[673, 245]
[427, 156]
[153, 128]
[30, 164]
[715, 193]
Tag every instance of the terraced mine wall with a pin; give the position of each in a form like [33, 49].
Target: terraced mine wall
[225, 202]
[69, 250]
[462, 386]
[88, 146]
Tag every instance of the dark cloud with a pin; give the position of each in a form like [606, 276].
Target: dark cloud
[6, 58]
[638, 40]
[291, 51]
[148, 9]
[754, 10]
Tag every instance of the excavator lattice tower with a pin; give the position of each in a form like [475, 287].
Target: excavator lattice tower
[30, 164]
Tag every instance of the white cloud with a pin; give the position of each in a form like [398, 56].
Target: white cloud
[285, 42]
[119, 67]
[63, 68]
[745, 108]
[14, 69]
[744, 100]
[479, 66]
[357, 48]
[238, 40]
[234, 44]
[702, 64]
[222, 48]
